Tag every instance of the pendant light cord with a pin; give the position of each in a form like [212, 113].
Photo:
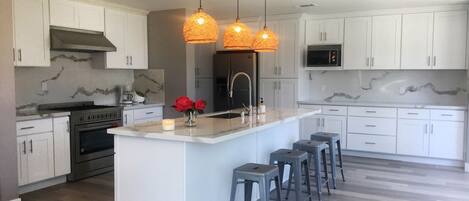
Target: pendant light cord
[237, 10]
[265, 14]
[200, 5]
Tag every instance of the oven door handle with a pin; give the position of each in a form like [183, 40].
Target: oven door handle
[105, 126]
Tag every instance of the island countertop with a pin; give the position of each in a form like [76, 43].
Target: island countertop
[214, 130]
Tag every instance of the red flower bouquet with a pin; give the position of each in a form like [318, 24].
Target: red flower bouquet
[186, 105]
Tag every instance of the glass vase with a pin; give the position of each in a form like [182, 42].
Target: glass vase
[191, 119]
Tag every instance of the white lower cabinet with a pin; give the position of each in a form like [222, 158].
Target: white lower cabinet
[372, 143]
[128, 118]
[446, 140]
[139, 116]
[412, 137]
[45, 153]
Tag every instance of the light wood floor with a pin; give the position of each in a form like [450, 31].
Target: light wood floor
[367, 180]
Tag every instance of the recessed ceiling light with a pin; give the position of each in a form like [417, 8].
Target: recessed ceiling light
[308, 5]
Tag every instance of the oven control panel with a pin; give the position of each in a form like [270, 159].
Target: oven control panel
[91, 117]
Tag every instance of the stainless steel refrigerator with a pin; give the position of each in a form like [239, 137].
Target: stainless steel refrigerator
[225, 65]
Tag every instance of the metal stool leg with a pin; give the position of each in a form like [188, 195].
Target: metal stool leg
[324, 161]
[262, 190]
[308, 183]
[297, 174]
[234, 184]
[281, 169]
[317, 170]
[340, 160]
[333, 163]
[290, 178]
[278, 188]
[247, 190]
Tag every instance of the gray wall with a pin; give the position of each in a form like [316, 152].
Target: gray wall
[8, 169]
[167, 50]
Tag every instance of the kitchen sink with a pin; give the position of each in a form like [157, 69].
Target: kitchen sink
[226, 116]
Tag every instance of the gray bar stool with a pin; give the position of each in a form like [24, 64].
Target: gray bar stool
[332, 139]
[255, 173]
[316, 150]
[296, 160]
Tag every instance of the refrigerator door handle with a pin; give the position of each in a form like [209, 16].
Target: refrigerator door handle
[228, 80]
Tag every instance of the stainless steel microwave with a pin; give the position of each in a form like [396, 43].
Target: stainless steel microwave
[323, 56]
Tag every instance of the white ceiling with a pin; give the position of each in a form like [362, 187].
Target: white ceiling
[222, 9]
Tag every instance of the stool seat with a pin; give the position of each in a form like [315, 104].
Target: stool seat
[289, 156]
[255, 173]
[309, 145]
[256, 169]
[323, 136]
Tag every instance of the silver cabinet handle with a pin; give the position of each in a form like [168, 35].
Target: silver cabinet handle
[446, 115]
[431, 129]
[131, 60]
[323, 122]
[14, 54]
[372, 143]
[333, 110]
[434, 60]
[279, 85]
[368, 61]
[68, 126]
[125, 119]
[20, 55]
[429, 61]
[320, 36]
[149, 113]
[412, 113]
[370, 111]
[370, 126]
[24, 147]
[318, 123]
[372, 61]
[426, 128]
[31, 143]
[27, 128]
[325, 36]
[280, 70]
[127, 60]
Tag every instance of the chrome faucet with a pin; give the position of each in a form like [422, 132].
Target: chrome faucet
[250, 88]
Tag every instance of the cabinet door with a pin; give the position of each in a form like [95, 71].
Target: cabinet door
[417, 41]
[268, 91]
[268, 60]
[333, 31]
[116, 33]
[357, 43]
[286, 95]
[286, 54]
[31, 24]
[310, 125]
[90, 17]
[412, 137]
[447, 140]
[128, 118]
[204, 91]
[336, 124]
[22, 157]
[386, 43]
[136, 41]
[40, 157]
[313, 32]
[204, 60]
[449, 48]
[62, 146]
[64, 13]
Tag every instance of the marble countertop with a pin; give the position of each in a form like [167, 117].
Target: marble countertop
[142, 106]
[34, 115]
[384, 104]
[214, 130]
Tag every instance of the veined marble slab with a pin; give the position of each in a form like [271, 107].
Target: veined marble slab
[384, 104]
[33, 115]
[214, 130]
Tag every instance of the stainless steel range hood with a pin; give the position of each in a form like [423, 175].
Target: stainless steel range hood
[76, 40]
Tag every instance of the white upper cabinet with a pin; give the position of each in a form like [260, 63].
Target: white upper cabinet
[417, 41]
[128, 32]
[450, 40]
[386, 42]
[357, 43]
[324, 31]
[73, 14]
[31, 33]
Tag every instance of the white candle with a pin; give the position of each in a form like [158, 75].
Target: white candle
[168, 124]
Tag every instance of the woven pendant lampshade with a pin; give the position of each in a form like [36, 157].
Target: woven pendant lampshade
[266, 40]
[200, 28]
[237, 35]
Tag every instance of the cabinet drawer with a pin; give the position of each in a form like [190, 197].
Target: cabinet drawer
[447, 115]
[414, 114]
[334, 110]
[366, 125]
[148, 113]
[372, 143]
[32, 127]
[372, 112]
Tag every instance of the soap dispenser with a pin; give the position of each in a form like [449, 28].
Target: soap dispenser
[261, 106]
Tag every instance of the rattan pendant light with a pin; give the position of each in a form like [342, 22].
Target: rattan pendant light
[237, 36]
[200, 28]
[266, 40]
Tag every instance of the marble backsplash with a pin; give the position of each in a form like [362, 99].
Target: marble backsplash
[430, 87]
[71, 78]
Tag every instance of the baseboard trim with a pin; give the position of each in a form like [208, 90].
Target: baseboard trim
[466, 167]
[42, 184]
[412, 159]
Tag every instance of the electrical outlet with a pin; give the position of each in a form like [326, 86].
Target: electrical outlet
[44, 86]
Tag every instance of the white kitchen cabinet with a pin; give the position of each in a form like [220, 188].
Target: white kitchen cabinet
[450, 40]
[446, 140]
[22, 159]
[61, 146]
[332, 120]
[281, 63]
[128, 118]
[336, 124]
[417, 41]
[204, 91]
[329, 31]
[77, 15]
[279, 93]
[144, 115]
[386, 42]
[40, 157]
[310, 125]
[31, 33]
[204, 60]
[412, 137]
[128, 32]
[357, 43]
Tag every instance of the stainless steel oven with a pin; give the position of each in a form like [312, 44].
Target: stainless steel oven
[324, 56]
[93, 141]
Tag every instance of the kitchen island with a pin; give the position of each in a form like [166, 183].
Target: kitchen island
[196, 164]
